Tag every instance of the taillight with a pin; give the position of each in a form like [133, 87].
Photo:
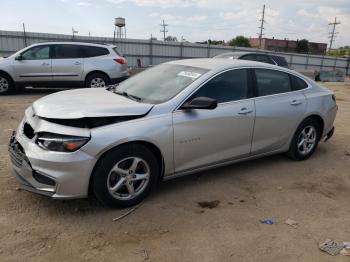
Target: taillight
[120, 61]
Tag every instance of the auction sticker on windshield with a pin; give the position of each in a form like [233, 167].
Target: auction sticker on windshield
[189, 74]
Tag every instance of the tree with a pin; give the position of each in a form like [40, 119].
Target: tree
[171, 38]
[303, 46]
[239, 41]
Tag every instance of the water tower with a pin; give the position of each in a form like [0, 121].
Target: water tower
[119, 25]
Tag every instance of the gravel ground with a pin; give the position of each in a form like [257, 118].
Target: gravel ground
[172, 226]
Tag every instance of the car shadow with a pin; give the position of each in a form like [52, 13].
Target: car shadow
[91, 206]
[38, 91]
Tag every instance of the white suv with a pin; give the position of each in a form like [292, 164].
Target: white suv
[62, 64]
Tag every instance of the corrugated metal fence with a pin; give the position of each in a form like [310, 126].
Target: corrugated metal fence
[152, 52]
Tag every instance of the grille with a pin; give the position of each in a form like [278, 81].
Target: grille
[43, 179]
[16, 153]
[28, 130]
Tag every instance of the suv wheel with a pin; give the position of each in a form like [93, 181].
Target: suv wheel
[305, 140]
[6, 85]
[125, 176]
[97, 80]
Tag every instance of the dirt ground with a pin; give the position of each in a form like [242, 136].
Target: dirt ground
[171, 226]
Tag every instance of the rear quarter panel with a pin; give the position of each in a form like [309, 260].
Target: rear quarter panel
[320, 102]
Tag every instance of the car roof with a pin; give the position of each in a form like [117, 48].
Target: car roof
[222, 64]
[209, 63]
[74, 43]
[236, 53]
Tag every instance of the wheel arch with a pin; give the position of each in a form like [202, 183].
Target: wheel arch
[154, 149]
[96, 72]
[319, 120]
[3, 72]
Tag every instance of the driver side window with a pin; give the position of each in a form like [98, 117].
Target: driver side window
[37, 53]
[229, 86]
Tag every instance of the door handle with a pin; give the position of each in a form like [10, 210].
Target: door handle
[45, 64]
[295, 102]
[245, 111]
[77, 63]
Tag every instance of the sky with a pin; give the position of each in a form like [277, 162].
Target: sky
[194, 20]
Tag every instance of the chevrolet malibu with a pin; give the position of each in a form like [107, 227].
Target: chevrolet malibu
[174, 119]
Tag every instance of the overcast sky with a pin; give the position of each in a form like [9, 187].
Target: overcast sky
[195, 20]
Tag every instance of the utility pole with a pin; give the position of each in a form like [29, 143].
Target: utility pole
[333, 33]
[74, 32]
[25, 35]
[262, 20]
[164, 25]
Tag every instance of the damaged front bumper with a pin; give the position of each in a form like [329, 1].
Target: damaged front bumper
[54, 174]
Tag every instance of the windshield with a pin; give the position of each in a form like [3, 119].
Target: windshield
[228, 56]
[160, 83]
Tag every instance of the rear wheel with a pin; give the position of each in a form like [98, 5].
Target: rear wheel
[6, 84]
[305, 140]
[97, 80]
[125, 176]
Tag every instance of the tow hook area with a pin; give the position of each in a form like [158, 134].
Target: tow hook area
[329, 135]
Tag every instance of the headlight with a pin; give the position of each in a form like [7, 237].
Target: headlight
[60, 143]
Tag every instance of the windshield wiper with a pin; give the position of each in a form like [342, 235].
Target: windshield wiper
[133, 97]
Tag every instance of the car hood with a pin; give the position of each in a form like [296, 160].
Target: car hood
[81, 103]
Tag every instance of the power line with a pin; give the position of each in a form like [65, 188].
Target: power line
[164, 25]
[262, 20]
[333, 33]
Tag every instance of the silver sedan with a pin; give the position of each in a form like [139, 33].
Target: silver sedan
[174, 119]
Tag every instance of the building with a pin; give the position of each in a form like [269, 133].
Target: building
[285, 45]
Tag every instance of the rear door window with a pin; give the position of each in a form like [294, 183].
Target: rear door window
[298, 83]
[66, 51]
[93, 51]
[270, 82]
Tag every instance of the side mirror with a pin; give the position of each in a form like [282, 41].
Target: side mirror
[201, 103]
[19, 58]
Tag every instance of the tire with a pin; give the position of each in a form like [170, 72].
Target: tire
[112, 187]
[305, 140]
[97, 80]
[6, 84]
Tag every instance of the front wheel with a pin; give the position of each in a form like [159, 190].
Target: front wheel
[6, 84]
[125, 176]
[305, 140]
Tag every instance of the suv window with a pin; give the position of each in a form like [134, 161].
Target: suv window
[264, 59]
[37, 53]
[228, 86]
[281, 61]
[271, 82]
[298, 83]
[92, 51]
[66, 51]
[248, 57]
[116, 51]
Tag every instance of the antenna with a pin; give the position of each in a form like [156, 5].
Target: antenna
[164, 25]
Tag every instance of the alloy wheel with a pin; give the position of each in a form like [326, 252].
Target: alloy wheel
[4, 84]
[128, 178]
[97, 83]
[307, 140]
